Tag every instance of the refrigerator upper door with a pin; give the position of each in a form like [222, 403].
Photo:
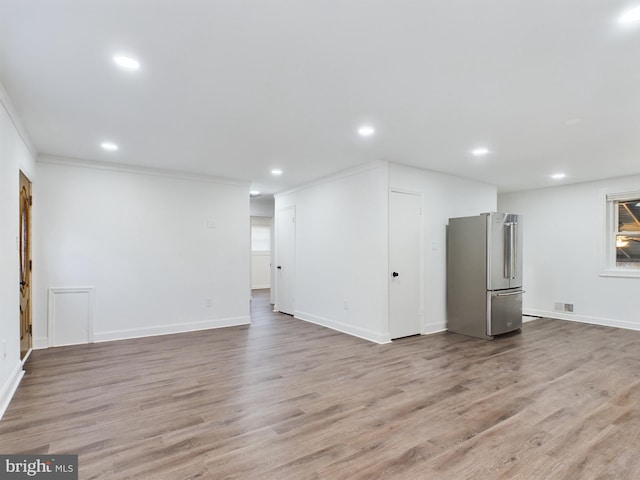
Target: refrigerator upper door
[504, 251]
[498, 251]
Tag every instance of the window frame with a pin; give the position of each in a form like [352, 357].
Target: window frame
[609, 267]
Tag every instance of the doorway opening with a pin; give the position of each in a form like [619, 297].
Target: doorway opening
[261, 232]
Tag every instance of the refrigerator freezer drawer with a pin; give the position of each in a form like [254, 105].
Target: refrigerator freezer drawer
[505, 311]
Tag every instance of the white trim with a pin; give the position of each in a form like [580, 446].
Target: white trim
[619, 194]
[624, 273]
[170, 329]
[605, 322]
[51, 309]
[434, 327]
[26, 357]
[15, 119]
[609, 217]
[9, 388]
[439, 330]
[136, 170]
[260, 287]
[359, 332]
[335, 176]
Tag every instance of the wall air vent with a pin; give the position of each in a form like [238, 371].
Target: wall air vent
[563, 307]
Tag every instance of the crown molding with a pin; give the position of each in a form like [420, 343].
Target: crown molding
[137, 170]
[15, 119]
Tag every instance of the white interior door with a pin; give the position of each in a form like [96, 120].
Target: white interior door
[285, 260]
[405, 224]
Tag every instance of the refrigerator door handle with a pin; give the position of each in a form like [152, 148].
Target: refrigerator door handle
[513, 250]
[519, 292]
[506, 251]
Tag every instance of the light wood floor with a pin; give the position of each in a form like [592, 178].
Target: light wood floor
[284, 399]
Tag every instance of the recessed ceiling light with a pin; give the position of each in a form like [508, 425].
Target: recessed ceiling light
[366, 131]
[480, 151]
[276, 171]
[630, 16]
[254, 193]
[109, 146]
[127, 63]
[558, 176]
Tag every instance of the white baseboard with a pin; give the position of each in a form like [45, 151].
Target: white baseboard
[9, 388]
[359, 332]
[434, 327]
[169, 329]
[431, 332]
[605, 322]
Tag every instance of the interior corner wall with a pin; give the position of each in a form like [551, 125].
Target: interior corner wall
[15, 156]
[563, 232]
[443, 197]
[163, 254]
[262, 207]
[342, 251]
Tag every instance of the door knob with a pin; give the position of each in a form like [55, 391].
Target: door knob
[395, 274]
[279, 267]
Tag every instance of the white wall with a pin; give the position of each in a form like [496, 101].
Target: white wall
[262, 206]
[444, 197]
[341, 251]
[15, 155]
[164, 253]
[563, 232]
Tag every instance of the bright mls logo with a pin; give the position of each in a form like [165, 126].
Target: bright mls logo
[52, 467]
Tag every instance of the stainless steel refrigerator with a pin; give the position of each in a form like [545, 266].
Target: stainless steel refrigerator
[484, 274]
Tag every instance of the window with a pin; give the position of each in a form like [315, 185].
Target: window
[623, 233]
[260, 236]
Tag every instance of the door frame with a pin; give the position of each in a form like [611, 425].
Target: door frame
[420, 196]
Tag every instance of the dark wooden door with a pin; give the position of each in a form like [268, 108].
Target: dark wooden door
[25, 265]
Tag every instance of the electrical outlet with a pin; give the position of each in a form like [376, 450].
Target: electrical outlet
[208, 302]
[346, 305]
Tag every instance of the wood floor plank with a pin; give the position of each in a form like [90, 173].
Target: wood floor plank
[286, 399]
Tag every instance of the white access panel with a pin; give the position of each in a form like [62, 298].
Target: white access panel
[70, 315]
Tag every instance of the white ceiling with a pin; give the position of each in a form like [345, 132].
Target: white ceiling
[234, 88]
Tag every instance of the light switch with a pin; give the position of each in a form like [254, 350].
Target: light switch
[211, 223]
